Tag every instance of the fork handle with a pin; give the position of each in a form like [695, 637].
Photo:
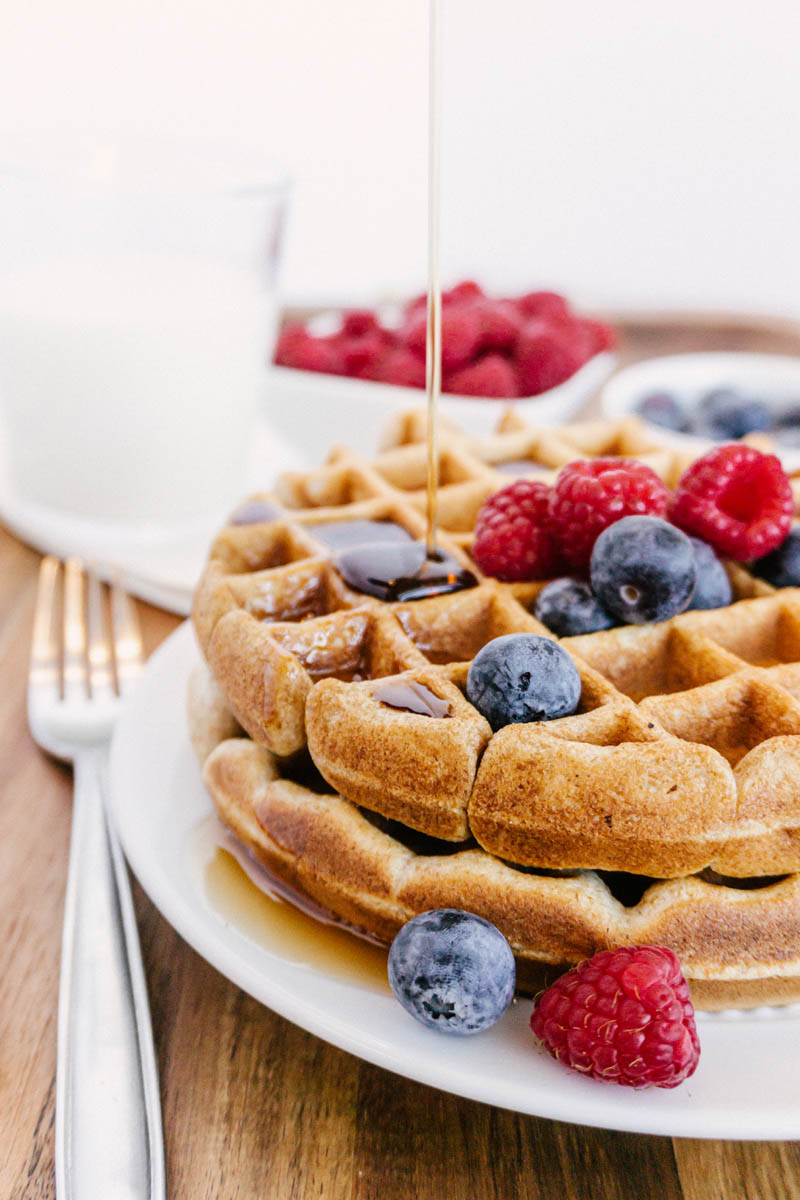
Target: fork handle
[108, 1119]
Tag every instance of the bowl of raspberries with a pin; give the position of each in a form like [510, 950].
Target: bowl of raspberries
[340, 375]
[694, 400]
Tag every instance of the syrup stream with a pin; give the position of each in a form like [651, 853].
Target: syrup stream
[433, 339]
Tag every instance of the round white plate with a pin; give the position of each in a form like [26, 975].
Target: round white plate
[773, 378]
[745, 1087]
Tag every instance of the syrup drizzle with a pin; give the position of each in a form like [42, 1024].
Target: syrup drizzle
[254, 512]
[343, 535]
[409, 696]
[281, 920]
[402, 572]
[433, 340]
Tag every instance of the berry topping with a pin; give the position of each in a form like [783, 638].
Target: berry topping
[587, 497]
[643, 569]
[736, 498]
[569, 607]
[523, 677]
[712, 587]
[452, 970]
[664, 409]
[513, 540]
[624, 1016]
[726, 413]
[492, 375]
[781, 567]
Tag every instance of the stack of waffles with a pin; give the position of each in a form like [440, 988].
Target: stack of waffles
[339, 747]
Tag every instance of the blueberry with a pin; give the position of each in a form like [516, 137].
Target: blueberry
[787, 425]
[569, 607]
[452, 970]
[789, 417]
[724, 413]
[662, 408]
[523, 677]
[643, 569]
[781, 567]
[712, 588]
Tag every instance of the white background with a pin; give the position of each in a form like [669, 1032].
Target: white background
[625, 151]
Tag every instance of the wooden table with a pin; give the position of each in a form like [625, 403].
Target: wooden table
[254, 1108]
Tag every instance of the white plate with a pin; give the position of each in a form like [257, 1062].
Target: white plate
[160, 565]
[773, 378]
[311, 409]
[746, 1085]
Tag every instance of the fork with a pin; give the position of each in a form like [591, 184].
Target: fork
[109, 1143]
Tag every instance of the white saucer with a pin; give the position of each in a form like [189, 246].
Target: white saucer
[745, 1086]
[160, 565]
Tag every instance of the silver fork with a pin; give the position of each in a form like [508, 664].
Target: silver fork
[109, 1142]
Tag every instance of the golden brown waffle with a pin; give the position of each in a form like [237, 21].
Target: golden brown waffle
[739, 946]
[684, 754]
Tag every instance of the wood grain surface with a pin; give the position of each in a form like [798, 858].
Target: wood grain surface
[254, 1107]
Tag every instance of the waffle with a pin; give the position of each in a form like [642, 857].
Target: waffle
[666, 809]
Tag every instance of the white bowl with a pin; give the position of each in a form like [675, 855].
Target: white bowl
[773, 378]
[315, 411]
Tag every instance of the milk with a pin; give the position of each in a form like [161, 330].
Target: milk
[129, 383]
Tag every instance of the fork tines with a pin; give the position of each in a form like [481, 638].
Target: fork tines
[89, 644]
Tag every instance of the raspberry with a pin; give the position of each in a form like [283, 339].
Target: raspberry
[359, 321]
[416, 304]
[602, 336]
[736, 498]
[544, 304]
[512, 535]
[461, 334]
[298, 348]
[399, 366]
[468, 289]
[624, 1016]
[587, 497]
[500, 324]
[363, 352]
[291, 344]
[493, 375]
[547, 356]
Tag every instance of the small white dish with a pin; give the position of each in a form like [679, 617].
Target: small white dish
[773, 378]
[745, 1086]
[313, 411]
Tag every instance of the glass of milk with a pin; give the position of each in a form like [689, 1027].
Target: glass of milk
[137, 316]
